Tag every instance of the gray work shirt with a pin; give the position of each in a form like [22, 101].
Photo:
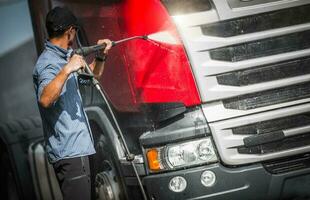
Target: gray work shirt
[65, 124]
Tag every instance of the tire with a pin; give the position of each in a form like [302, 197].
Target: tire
[8, 188]
[106, 179]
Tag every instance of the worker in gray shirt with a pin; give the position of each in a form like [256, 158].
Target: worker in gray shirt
[67, 132]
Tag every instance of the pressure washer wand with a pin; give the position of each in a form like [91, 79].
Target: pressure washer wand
[91, 49]
[144, 37]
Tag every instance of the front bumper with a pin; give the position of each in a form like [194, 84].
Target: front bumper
[248, 182]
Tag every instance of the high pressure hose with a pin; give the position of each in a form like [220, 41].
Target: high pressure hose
[83, 51]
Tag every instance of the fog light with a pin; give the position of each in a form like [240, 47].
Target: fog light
[177, 184]
[208, 178]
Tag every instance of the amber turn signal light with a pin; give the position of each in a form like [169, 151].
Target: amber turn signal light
[152, 157]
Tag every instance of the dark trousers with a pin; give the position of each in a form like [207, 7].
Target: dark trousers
[73, 175]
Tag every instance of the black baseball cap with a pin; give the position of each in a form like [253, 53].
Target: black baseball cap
[59, 19]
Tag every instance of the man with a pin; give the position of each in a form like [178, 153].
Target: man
[67, 133]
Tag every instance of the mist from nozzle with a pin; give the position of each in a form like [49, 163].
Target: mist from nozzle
[163, 37]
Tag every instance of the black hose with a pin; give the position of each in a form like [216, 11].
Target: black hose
[129, 156]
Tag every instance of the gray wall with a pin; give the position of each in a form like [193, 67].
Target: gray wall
[17, 58]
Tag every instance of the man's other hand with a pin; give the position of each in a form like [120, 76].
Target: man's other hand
[108, 45]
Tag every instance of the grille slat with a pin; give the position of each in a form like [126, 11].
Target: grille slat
[268, 136]
[266, 73]
[265, 47]
[288, 164]
[285, 144]
[177, 7]
[259, 22]
[273, 125]
[268, 97]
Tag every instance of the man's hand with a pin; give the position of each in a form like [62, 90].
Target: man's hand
[52, 91]
[76, 62]
[108, 43]
[97, 66]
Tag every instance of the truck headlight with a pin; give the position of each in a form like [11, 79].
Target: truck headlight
[181, 155]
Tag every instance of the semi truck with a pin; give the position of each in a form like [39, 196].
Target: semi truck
[214, 106]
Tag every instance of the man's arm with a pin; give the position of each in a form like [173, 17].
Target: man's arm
[52, 90]
[97, 66]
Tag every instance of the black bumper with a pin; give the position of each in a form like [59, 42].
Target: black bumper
[248, 182]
